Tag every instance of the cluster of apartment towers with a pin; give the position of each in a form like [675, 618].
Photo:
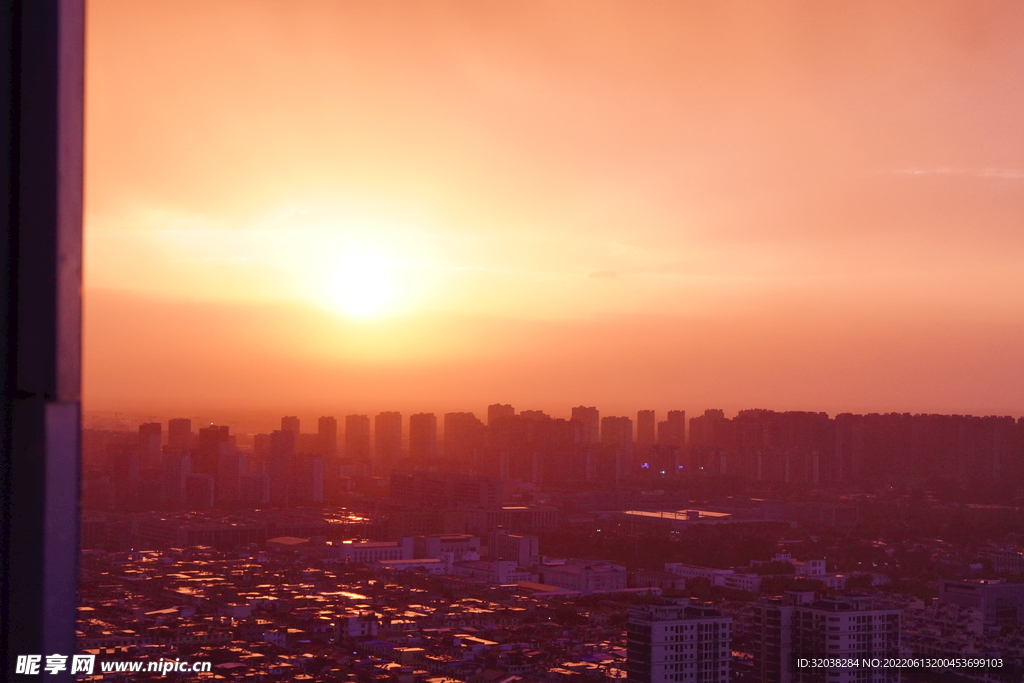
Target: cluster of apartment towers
[287, 466]
[464, 433]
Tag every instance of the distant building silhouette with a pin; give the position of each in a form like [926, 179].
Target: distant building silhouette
[150, 434]
[533, 447]
[498, 411]
[671, 442]
[617, 431]
[590, 419]
[227, 479]
[179, 433]
[711, 428]
[123, 469]
[646, 428]
[199, 491]
[422, 438]
[307, 479]
[615, 457]
[672, 431]
[290, 423]
[124, 463]
[175, 466]
[446, 489]
[279, 466]
[387, 441]
[357, 438]
[254, 490]
[663, 459]
[261, 447]
[213, 440]
[464, 437]
[327, 433]
[646, 436]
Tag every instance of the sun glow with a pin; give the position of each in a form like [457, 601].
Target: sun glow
[364, 286]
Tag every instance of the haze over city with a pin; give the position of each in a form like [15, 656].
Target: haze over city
[522, 342]
[333, 207]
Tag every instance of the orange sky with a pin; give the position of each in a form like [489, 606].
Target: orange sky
[340, 206]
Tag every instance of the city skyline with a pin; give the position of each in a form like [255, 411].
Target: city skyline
[251, 422]
[330, 205]
[757, 446]
[505, 342]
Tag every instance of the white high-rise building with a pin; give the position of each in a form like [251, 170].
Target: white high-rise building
[678, 642]
[798, 626]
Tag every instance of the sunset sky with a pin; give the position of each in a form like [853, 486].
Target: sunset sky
[341, 206]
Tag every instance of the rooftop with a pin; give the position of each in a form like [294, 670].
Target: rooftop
[679, 515]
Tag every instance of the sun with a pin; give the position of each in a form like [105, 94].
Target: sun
[364, 286]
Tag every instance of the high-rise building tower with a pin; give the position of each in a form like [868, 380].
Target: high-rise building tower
[175, 466]
[215, 456]
[662, 459]
[617, 431]
[227, 478]
[498, 411]
[126, 478]
[672, 431]
[616, 448]
[290, 423]
[422, 438]
[847, 627]
[590, 419]
[710, 429]
[773, 636]
[464, 439]
[357, 437]
[678, 643]
[150, 434]
[670, 453]
[254, 490]
[307, 479]
[179, 433]
[646, 428]
[199, 491]
[260, 447]
[387, 440]
[279, 466]
[327, 432]
[213, 440]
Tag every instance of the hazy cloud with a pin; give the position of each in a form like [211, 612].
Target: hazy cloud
[604, 274]
[999, 173]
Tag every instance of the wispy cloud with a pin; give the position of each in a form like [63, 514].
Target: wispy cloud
[222, 260]
[996, 173]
